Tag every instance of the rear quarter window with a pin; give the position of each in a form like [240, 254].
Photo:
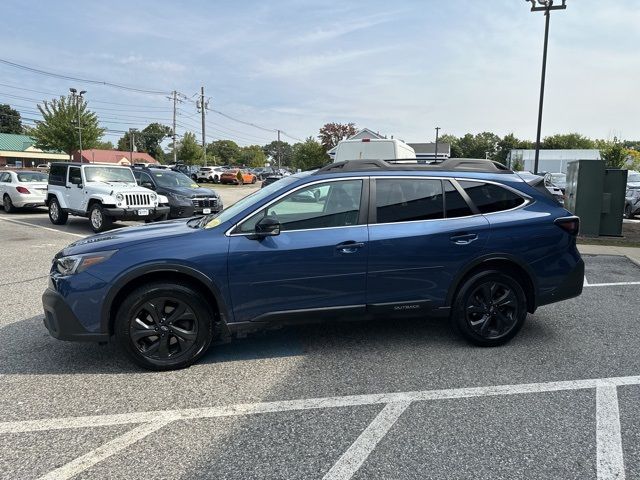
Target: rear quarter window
[58, 175]
[490, 198]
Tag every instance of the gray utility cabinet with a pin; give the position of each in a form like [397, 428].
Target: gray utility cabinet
[596, 195]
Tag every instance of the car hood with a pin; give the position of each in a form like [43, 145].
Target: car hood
[123, 237]
[189, 192]
[107, 188]
[633, 185]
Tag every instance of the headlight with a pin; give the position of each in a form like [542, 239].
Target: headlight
[182, 198]
[119, 197]
[153, 196]
[78, 263]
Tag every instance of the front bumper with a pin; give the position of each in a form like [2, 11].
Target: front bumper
[186, 211]
[132, 213]
[62, 323]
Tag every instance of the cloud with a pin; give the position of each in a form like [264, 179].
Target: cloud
[344, 27]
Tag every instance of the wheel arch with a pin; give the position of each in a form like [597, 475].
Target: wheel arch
[164, 272]
[500, 262]
[51, 195]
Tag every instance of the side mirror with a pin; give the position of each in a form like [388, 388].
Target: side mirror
[148, 185]
[76, 181]
[267, 227]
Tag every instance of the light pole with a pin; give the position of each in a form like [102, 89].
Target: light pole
[77, 97]
[544, 6]
[437, 132]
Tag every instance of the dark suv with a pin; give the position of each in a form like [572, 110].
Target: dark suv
[186, 197]
[466, 240]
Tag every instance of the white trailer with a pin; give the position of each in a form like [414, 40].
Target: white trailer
[373, 149]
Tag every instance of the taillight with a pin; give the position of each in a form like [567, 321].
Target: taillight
[23, 190]
[571, 225]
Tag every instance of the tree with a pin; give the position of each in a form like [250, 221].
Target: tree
[189, 151]
[59, 128]
[567, 141]
[124, 142]
[510, 142]
[332, 133]
[253, 156]
[104, 145]
[456, 151]
[10, 121]
[226, 152]
[481, 145]
[309, 155]
[613, 153]
[152, 136]
[633, 158]
[286, 152]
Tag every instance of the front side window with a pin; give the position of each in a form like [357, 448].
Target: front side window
[408, 199]
[75, 175]
[490, 198]
[322, 205]
[5, 177]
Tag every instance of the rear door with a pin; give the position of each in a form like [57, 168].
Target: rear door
[421, 232]
[316, 266]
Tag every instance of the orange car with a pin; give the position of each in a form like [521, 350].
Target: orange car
[237, 176]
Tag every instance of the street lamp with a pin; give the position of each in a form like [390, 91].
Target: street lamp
[436, 152]
[77, 97]
[543, 6]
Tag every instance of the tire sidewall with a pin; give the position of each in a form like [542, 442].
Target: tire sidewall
[458, 319]
[138, 297]
[8, 204]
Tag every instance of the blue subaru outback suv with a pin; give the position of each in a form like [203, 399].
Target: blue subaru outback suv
[467, 240]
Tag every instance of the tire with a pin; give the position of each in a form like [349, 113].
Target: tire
[56, 214]
[489, 308]
[98, 220]
[253, 180]
[8, 204]
[627, 212]
[164, 343]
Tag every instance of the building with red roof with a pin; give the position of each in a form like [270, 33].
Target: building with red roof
[114, 157]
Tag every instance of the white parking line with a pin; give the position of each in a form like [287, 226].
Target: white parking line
[608, 436]
[608, 425]
[103, 452]
[351, 461]
[40, 226]
[613, 284]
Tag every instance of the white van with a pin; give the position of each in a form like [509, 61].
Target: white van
[373, 149]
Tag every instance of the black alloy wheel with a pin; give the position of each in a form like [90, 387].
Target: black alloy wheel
[164, 326]
[490, 308]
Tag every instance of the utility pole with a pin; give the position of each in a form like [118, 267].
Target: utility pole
[545, 6]
[77, 98]
[437, 132]
[202, 106]
[279, 151]
[175, 152]
[131, 143]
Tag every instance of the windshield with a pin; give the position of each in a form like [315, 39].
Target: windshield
[558, 177]
[173, 179]
[255, 197]
[29, 177]
[633, 177]
[109, 174]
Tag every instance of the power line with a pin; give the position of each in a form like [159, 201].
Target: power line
[77, 79]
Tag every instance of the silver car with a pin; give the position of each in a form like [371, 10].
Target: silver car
[23, 188]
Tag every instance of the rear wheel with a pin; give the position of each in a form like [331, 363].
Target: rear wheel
[56, 214]
[253, 180]
[164, 326]
[490, 308]
[8, 204]
[98, 219]
[216, 179]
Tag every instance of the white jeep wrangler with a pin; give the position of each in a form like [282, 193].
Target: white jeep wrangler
[103, 193]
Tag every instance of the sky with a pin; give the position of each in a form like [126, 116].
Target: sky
[400, 68]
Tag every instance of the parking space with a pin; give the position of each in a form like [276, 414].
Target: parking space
[403, 399]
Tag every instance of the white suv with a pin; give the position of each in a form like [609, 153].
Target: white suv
[103, 193]
[210, 174]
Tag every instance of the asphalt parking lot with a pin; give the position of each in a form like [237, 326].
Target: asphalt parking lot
[398, 400]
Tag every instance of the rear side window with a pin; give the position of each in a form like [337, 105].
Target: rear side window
[491, 198]
[58, 175]
[455, 205]
[408, 199]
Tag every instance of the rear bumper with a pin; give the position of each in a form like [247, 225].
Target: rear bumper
[132, 213]
[28, 201]
[570, 287]
[61, 322]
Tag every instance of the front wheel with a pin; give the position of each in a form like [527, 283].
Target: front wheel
[98, 219]
[490, 308]
[164, 326]
[627, 212]
[8, 204]
[216, 179]
[56, 214]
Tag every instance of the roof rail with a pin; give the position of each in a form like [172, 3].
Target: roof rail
[457, 164]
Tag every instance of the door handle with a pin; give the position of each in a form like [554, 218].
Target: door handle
[349, 247]
[464, 238]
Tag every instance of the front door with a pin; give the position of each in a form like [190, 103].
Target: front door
[74, 193]
[422, 232]
[315, 267]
